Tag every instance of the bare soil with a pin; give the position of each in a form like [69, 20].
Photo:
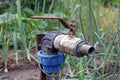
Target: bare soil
[25, 70]
[29, 70]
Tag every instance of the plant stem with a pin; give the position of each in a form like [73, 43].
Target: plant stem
[90, 19]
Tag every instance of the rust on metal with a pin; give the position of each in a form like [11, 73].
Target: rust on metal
[68, 44]
[65, 24]
[39, 37]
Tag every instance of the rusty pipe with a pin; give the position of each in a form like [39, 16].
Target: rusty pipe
[66, 25]
[63, 22]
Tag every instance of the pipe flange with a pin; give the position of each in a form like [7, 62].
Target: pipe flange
[78, 45]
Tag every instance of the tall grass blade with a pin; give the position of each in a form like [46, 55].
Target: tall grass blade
[90, 21]
[76, 68]
[22, 29]
[15, 46]
[51, 6]
[44, 4]
[100, 40]
[81, 23]
[96, 22]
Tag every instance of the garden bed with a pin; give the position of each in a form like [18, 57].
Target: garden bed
[26, 70]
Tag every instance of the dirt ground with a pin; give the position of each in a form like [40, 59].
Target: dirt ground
[25, 74]
[25, 70]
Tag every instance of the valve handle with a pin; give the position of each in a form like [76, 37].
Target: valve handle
[65, 24]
